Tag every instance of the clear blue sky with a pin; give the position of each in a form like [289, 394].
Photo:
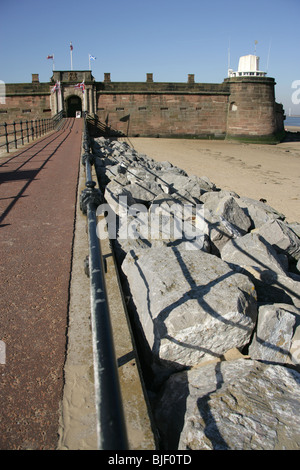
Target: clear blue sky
[170, 38]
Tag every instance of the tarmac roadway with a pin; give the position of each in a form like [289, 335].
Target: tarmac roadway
[37, 209]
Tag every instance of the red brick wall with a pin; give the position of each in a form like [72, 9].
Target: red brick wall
[164, 114]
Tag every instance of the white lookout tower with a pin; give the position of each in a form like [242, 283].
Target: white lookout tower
[248, 66]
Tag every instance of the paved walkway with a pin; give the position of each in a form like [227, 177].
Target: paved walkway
[37, 210]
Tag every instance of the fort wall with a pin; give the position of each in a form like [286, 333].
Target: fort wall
[237, 108]
[26, 101]
[164, 114]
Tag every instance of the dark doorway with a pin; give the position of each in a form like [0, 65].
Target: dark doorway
[73, 104]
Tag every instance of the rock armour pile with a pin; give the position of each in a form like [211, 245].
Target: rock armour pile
[207, 272]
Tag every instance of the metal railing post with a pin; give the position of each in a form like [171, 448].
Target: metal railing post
[27, 132]
[6, 137]
[21, 130]
[15, 134]
[111, 428]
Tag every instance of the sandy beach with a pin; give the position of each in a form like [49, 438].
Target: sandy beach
[271, 172]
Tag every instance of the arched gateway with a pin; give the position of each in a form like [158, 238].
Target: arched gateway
[73, 91]
[73, 104]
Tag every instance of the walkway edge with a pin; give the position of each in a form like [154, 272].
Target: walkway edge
[77, 430]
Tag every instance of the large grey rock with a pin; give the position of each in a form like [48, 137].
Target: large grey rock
[173, 180]
[252, 254]
[164, 168]
[281, 237]
[237, 405]
[118, 198]
[190, 305]
[203, 182]
[254, 251]
[277, 337]
[211, 198]
[134, 234]
[295, 226]
[224, 217]
[167, 213]
[140, 174]
[114, 171]
[144, 191]
[196, 186]
[218, 229]
[177, 182]
[166, 223]
[229, 209]
[272, 287]
[258, 211]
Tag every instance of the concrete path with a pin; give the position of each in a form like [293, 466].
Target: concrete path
[37, 210]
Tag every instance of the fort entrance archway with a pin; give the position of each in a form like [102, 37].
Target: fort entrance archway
[73, 104]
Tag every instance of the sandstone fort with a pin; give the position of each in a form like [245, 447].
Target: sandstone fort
[243, 106]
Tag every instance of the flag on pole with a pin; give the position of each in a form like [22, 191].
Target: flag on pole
[81, 86]
[51, 56]
[56, 87]
[91, 57]
[71, 47]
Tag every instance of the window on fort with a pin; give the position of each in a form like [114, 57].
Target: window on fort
[46, 110]
[142, 108]
[182, 109]
[233, 106]
[119, 109]
[25, 111]
[164, 109]
[3, 111]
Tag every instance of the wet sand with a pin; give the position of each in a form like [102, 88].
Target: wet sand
[271, 172]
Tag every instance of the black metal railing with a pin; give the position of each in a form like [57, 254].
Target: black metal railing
[17, 133]
[111, 428]
[97, 128]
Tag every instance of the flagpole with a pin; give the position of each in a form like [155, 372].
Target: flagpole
[53, 65]
[71, 53]
[91, 57]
